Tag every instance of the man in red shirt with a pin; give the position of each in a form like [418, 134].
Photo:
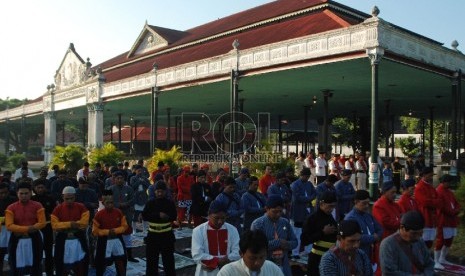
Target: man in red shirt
[24, 219]
[386, 211]
[266, 181]
[448, 212]
[70, 220]
[184, 183]
[108, 226]
[406, 201]
[428, 201]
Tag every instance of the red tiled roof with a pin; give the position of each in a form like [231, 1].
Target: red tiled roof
[143, 134]
[169, 34]
[318, 22]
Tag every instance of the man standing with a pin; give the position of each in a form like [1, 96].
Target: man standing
[386, 211]
[326, 186]
[428, 202]
[350, 165]
[321, 167]
[303, 193]
[49, 203]
[242, 182]
[266, 180]
[201, 194]
[108, 226]
[406, 201]
[345, 195]
[253, 203]
[396, 173]
[280, 188]
[404, 253]
[70, 220]
[320, 229]
[362, 169]
[5, 200]
[232, 201]
[278, 231]
[447, 219]
[24, 219]
[123, 199]
[184, 183]
[215, 242]
[84, 172]
[140, 185]
[160, 212]
[370, 229]
[346, 258]
[253, 249]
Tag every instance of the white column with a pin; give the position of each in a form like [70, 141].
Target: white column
[95, 125]
[50, 135]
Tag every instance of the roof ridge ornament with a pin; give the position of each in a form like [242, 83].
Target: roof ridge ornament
[454, 45]
[375, 11]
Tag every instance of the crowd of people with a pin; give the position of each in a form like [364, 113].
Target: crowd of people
[248, 225]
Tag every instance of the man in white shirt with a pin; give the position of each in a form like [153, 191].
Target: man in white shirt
[321, 167]
[253, 249]
[215, 242]
[24, 165]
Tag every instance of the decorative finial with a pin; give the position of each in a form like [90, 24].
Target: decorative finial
[155, 67]
[375, 11]
[71, 46]
[236, 44]
[48, 87]
[454, 45]
[88, 64]
[146, 22]
[52, 86]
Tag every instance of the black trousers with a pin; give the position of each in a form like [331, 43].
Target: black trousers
[101, 262]
[47, 235]
[156, 244]
[60, 250]
[313, 264]
[37, 247]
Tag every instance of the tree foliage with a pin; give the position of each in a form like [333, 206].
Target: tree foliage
[106, 154]
[71, 157]
[408, 146]
[344, 134]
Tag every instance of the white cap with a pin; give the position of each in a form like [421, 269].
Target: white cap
[69, 190]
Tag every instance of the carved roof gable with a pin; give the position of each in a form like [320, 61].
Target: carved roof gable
[72, 70]
[153, 37]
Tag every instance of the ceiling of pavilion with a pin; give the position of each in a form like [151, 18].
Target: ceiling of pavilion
[286, 92]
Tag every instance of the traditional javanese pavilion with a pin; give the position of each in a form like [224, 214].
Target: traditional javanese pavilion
[288, 61]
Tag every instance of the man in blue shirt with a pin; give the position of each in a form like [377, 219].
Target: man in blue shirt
[345, 195]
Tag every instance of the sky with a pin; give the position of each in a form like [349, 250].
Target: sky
[36, 34]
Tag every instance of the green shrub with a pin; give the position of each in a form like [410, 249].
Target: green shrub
[3, 160]
[106, 154]
[71, 157]
[16, 159]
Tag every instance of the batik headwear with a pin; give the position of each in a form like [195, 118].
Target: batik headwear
[158, 176]
[305, 172]
[361, 195]
[160, 185]
[426, 170]
[274, 201]
[244, 171]
[280, 175]
[201, 173]
[346, 172]
[387, 186]
[332, 178]
[447, 178]
[160, 164]
[412, 220]
[117, 173]
[217, 206]
[407, 183]
[347, 228]
[328, 197]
